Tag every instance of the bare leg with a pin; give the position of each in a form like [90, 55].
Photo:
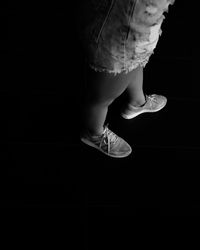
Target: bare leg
[135, 87]
[101, 90]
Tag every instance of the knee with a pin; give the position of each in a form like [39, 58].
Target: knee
[104, 103]
[100, 102]
[107, 103]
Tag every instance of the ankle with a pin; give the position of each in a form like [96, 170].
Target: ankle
[94, 132]
[138, 102]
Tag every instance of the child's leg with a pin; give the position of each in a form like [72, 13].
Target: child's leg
[101, 90]
[135, 87]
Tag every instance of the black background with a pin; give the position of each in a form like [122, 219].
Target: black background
[44, 164]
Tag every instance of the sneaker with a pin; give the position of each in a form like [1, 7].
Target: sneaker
[108, 143]
[153, 103]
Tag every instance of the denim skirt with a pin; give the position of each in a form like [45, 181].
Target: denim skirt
[120, 35]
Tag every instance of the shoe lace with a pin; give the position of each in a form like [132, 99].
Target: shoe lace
[152, 100]
[108, 138]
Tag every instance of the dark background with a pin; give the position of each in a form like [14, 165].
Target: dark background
[44, 164]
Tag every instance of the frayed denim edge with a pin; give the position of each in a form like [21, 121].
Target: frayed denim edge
[115, 72]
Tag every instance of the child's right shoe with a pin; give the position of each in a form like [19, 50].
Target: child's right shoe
[108, 143]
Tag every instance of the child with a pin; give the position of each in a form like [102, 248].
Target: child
[118, 38]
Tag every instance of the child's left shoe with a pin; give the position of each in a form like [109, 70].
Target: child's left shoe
[153, 103]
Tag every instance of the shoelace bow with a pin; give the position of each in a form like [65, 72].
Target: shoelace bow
[108, 138]
[152, 99]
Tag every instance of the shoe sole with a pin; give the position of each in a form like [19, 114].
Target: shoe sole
[141, 112]
[94, 146]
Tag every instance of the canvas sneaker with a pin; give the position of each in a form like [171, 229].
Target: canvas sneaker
[153, 103]
[108, 143]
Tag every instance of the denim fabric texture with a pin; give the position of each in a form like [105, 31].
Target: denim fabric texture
[120, 35]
